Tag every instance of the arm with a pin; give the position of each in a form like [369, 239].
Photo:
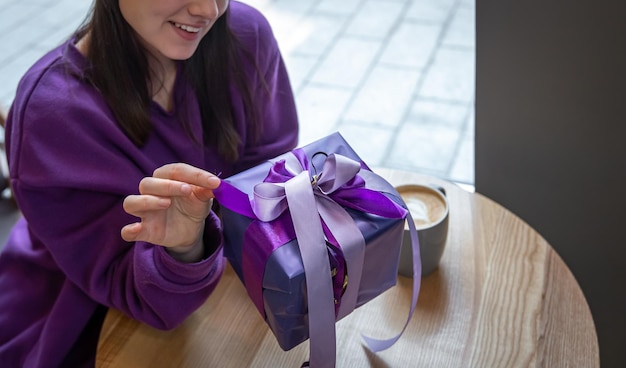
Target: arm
[71, 169]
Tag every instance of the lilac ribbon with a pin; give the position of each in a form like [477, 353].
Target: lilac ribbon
[317, 271]
[376, 345]
[289, 187]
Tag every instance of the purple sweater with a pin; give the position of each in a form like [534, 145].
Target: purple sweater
[71, 168]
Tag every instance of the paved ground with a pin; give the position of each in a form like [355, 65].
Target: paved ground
[395, 77]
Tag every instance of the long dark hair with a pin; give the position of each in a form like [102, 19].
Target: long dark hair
[119, 61]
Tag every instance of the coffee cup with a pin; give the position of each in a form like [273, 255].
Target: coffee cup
[429, 208]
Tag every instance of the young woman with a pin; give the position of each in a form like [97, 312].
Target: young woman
[126, 128]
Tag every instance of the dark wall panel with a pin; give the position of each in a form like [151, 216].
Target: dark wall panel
[551, 138]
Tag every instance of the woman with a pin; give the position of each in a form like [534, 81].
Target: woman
[127, 120]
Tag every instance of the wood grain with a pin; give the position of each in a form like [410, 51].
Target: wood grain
[501, 298]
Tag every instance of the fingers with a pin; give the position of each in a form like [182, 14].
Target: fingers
[172, 188]
[164, 187]
[177, 196]
[187, 174]
[140, 232]
[149, 209]
[201, 182]
[131, 232]
[136, 205]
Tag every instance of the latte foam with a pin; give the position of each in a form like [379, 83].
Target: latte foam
[425, 204]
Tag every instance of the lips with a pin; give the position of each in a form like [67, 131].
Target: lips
[186, 28]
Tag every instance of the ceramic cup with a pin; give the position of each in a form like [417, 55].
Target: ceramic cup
[429, 207]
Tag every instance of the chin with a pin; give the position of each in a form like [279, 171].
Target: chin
[180, 56]
[180, 53]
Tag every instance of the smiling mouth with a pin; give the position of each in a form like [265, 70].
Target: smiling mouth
[186, 28]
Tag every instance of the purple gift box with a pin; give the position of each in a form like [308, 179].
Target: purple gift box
[267, 256]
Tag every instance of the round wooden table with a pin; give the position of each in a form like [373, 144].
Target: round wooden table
[501, 297]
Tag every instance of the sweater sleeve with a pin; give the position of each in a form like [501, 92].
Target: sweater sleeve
[71, 168]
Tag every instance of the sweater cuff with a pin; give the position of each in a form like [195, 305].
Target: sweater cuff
[209, 267]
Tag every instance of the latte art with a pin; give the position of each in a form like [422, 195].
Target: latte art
[426, 205]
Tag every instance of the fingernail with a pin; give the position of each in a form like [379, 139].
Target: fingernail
[214, 181]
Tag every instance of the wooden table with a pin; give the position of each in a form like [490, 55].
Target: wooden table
[501, 298]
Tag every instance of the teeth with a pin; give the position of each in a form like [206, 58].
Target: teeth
[187, 28]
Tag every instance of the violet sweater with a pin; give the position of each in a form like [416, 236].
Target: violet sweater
[71, 168]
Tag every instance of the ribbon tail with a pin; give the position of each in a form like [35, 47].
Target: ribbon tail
[376, 345]
[308, 228]
[352, 243]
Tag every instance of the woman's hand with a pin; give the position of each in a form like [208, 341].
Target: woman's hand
[172, 205]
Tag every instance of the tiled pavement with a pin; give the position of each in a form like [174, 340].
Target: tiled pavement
[395, 77]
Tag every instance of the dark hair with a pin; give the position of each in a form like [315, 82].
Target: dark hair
[119, 61]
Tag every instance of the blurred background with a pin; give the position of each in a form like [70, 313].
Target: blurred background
[394, 77]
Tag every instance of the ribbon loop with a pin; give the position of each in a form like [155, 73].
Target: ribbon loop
[270, 201]
[337, 171]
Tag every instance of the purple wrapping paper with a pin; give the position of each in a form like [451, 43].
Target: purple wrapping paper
[283, 283]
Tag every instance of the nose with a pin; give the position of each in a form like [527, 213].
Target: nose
[208, 9]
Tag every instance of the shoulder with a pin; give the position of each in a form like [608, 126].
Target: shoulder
[46, 71]
[244, 17]
[55, 114]
[54, 87]
[251, 27]
[51, 84]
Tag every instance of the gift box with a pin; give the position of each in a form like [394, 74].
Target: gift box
[361, 218]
